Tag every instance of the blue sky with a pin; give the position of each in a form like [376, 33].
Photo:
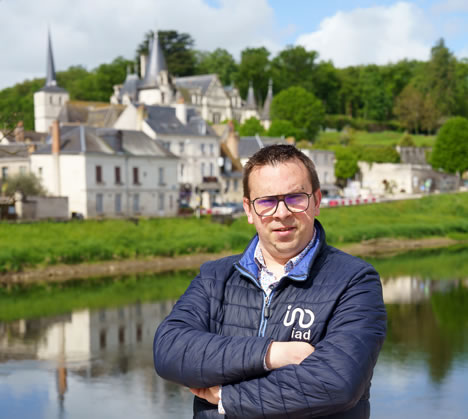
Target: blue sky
[90, 32]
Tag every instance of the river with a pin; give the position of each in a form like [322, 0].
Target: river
[95, 363]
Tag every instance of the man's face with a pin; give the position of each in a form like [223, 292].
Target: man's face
[284, 234]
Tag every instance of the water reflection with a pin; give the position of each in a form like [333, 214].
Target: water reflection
[98, 363]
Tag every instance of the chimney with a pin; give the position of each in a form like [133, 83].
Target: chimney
[55, 137]
[232, 141]
[181, 111]
[142, 66]
[140, 117]
[19, 132]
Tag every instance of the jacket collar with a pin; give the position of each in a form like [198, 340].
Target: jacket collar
[247, 266]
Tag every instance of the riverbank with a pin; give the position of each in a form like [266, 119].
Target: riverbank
[57, 251]
[62, 273]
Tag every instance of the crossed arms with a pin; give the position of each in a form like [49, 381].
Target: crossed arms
[329, 379]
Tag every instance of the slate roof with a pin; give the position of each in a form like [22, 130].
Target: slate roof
[250, 103]
[97, 114]
[14, 151]
[267, 104]
[84, 139]
[156, 63]
[195, 82]
[51, 78]
[163, 120]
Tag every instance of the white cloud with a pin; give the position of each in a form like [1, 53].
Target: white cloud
[449, 6]
[375, 35]
[90, 32]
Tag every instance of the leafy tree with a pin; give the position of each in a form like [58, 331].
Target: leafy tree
[349, 91]
[177, 48]
[294, 66]
[219, 61]
[346, 165]
[251, 127]
[409, 108]
[254, 67]
[431, 114]
[376, 101]
[406, 140]
[440, 78]
[301, 108]
[326, 86]
[281, 128]
[28, 184]
[450, 151]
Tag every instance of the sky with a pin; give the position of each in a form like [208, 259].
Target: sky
[347, 32]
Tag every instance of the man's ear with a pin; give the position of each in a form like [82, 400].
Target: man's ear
[317, 200]
[248, 210]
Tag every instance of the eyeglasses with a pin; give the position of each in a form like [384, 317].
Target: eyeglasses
[295, 202]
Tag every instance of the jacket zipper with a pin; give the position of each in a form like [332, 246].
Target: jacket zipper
[266, 312]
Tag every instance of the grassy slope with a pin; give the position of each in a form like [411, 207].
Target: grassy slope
[28, 245]
[388, 138]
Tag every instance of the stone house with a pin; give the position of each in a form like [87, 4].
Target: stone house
[108, 172]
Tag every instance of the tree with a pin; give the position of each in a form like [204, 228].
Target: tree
[301, 108]
[409, 108]
[251, 127]
[281, 128]
[346, 165]
[219, 61]
[177, 49]
[376, 101]
[254, 67]
[326, 86]
[28, 184]
[450, 151]
[294, 66]
[406, 140]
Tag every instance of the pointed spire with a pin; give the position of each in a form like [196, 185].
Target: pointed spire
[251, 103]
[268, 100]
[51, 79]
[156, 63]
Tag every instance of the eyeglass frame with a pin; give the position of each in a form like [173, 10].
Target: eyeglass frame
[283, 199]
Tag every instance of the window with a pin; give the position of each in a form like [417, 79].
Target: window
[139, 332]
[121, 335]
[136, 203]
[98, 174]
[211, 149]
[118, 179]
[22, 170]
[118, 203]
[50, 100]
[162, 97]
[181, 147]
[136, 180]
[4, 172]
[236, 184]
[182, 167]
[39, 170]
[161, 175]
[325, 176]
[102, 339]
[216, 118]
[171, 202]
[202, 148]
[161, 202]
[99, 203]
[211, 169]
[203, 169]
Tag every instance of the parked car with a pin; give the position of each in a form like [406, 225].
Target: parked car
[228, 208]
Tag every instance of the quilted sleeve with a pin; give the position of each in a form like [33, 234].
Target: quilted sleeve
[333, 378]
[187, 353]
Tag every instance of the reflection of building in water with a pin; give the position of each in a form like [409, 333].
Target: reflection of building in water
[407, 289]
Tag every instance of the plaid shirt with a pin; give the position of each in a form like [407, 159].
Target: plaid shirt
[266, 278]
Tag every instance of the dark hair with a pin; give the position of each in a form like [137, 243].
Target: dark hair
[278, 153]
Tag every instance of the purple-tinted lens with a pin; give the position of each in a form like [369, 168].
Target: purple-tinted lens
[297, 202]
[264, 206]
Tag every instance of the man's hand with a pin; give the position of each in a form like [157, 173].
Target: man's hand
[281, 354]
[210, 394]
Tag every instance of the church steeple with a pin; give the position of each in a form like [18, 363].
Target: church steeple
[268, 100]
[251, 103]
[156, 63]
[51, 78]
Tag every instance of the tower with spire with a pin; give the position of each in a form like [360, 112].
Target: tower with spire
[265, 117]
[50, 99]
[250, 107]
[155, 88]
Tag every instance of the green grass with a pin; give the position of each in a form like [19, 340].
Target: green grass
[387, 138]
[37, 300]
[43, 244]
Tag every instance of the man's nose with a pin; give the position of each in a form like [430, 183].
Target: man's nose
[282, 210]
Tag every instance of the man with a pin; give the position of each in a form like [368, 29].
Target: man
[289, 329]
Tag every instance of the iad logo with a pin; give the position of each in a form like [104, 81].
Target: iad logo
[306, 319]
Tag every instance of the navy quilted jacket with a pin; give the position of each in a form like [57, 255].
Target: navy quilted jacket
[219, 331]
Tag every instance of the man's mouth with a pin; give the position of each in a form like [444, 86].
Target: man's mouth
[284, 229]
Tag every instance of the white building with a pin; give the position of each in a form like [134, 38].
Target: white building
[185, 134]
[107, 172]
